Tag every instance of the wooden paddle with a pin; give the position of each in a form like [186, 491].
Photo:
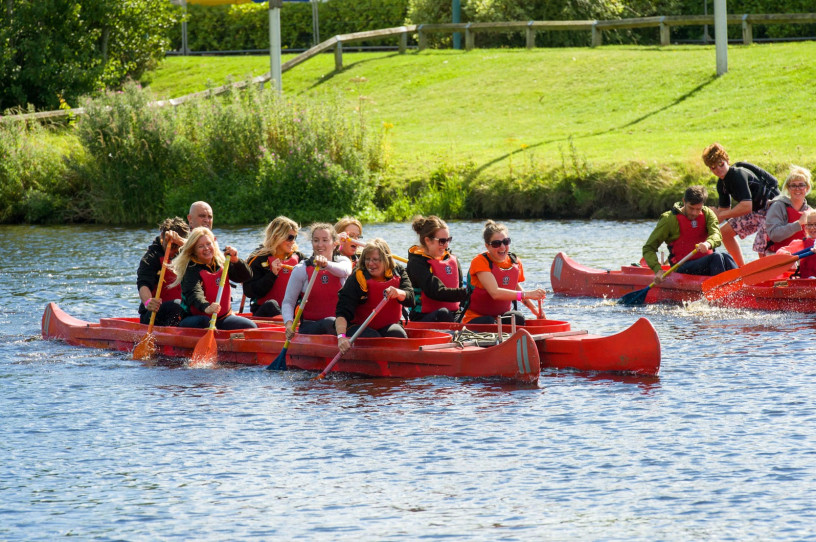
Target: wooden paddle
[638, 297]
[767, 268]
[279, 363]
[147, 346]
[206, 350]
[356, 334]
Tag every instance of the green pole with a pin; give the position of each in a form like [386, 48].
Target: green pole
[456, 17]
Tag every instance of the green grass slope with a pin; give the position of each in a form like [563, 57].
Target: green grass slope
[508, 110]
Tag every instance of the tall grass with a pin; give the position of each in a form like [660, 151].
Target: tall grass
[253, 154]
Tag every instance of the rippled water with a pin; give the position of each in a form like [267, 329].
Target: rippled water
[722, 445]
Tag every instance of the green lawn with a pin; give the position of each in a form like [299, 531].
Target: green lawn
[511, 108]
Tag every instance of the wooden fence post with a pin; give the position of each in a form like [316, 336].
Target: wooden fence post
[338, 56]
[665, 32]
[747, 31]
[597, 37]
[422, 39]
[530, 35]
[470, 41]
[403, 42]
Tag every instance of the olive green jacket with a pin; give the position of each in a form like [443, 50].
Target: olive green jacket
[668, 230]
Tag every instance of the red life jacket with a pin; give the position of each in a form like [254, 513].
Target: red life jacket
[793, 216]
[210, 282]
[480, 300]
[692, 233]
[278, 289]
[446, 270]
[322, 301]
[807, 266]
[390, 313]
[167, 293]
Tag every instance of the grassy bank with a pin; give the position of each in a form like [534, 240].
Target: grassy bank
[512, 112]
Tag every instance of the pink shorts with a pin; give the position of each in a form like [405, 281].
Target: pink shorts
[753, 222]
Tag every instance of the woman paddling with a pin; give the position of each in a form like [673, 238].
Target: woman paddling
[167, 307]
[198, 269]
[348, 229]
[318, 314]
[434, 272]
[495, 276]
[271, 265]
[375, 276]
[787, 213]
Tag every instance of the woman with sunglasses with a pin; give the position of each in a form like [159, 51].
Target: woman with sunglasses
[348, 229]
[434, 272]
[787, 214]
[375, 276]
[198, 269]
[271, 265]
[495, 276]
[332, 269]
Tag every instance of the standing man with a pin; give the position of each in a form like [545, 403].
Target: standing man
[752, 187]
[201, 214]
[688, 225]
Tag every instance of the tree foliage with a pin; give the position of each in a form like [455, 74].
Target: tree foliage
[68, 48]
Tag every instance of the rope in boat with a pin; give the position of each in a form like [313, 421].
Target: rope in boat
[481, 339]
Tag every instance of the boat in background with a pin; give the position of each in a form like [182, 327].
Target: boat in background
[784, 293]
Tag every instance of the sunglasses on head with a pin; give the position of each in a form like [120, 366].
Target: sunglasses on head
[291, 237]
[498, 243]
[443, 240]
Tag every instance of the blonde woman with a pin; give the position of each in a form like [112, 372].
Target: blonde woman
[788, 212]
[198, 266]
[271, 265]
[375, 276]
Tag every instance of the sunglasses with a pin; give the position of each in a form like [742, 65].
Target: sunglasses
[810, 225]
[498, 243]
[291, 237]
[797, 185]
[443, 240]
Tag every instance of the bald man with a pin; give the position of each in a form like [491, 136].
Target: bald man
[200, 215]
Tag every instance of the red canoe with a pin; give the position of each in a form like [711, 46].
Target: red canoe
[570, 278]
[424, 353]
[427, 352]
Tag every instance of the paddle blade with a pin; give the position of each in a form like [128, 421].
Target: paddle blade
[279, 363]
[206, 350]
[638, 297]
[724, 290]
[146, 348]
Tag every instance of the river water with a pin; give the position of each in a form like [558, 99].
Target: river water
[722, 445]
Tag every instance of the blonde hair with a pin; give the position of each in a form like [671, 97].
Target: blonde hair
[187, 253]
[380, 246]
[798, 173]
[345, 222]
[276, 233]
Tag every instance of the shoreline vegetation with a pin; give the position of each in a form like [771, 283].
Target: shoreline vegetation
[613, 132]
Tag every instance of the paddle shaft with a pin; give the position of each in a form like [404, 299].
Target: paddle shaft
[159, 286]
[220, 291]
[353, 338]
[673, 268]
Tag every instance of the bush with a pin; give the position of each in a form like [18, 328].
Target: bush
[252, 154]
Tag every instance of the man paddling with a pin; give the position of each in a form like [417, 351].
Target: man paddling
[688, 225]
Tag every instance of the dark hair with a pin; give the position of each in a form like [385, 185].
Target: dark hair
[695, 194]
[426, 226]
[492, 228]
[176, 224]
